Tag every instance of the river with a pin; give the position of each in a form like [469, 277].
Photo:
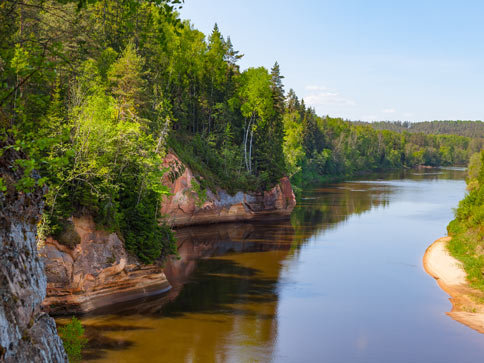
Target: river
[342, 281]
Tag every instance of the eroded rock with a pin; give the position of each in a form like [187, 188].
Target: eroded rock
[98, 272]
[181, 207]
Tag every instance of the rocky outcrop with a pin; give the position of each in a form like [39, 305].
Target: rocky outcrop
[91, 269]
[96, 273]
[27, 334]
[184, 207]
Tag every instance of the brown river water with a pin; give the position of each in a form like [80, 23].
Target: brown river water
[341, 281]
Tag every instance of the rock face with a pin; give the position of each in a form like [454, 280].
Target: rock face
[27, 334]
[182, 209]
[96, 273]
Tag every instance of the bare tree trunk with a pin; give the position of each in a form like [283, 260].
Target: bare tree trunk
[245, 145]
[246, 139]
[250, 150]
[193, 108]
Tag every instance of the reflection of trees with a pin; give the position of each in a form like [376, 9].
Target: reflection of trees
[223, 305]
[229, 303]
[324, 208]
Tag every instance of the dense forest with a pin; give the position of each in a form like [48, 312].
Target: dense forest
[94, 93]
[467, 229]
[463, 128]
[322, 148]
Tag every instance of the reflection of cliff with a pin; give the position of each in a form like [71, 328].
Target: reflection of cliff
[229, 303]
[224, 301]
[208, 241]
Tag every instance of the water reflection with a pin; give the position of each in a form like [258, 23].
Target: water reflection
[237, 269]
[231, 279]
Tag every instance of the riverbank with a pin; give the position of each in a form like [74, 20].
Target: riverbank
[467, 303]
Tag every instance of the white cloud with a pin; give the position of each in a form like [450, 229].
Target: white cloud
[322, 96]
[388, 110]
[327, 98]
[313, 87]
[408, 114]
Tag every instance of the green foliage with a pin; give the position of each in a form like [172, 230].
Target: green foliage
[127, 84]
[324, 148]
[72, 335]
[475, 165]
[3, 185]
[200, 193]
[467, 229]
[293, 142]
[462, 128]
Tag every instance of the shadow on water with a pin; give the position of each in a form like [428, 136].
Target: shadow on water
[229, 272]
[219, 287]
[99, 343]
[205, 281]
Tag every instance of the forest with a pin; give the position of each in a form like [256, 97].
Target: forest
[94, 93]
[462, 128]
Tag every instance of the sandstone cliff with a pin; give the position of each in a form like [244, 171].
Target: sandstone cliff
[182, 209]
[96, 272]
[27, 334]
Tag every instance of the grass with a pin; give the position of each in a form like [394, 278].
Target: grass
[463, 246]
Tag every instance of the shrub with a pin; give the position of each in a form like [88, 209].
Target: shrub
[72, 336]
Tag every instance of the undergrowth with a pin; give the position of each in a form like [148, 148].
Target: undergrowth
[467, 229]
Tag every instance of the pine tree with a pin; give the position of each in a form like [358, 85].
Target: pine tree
[232, 56]
[127, 83]
[277, 89]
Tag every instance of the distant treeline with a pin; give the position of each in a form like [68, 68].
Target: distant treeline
[324, 148]
[462, 128]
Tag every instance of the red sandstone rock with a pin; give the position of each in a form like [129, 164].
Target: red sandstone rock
[181, 208]
[96, 273]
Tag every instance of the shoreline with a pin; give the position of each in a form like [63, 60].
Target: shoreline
[451, 278]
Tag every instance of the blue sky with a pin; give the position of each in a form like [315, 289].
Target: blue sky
[362, 60]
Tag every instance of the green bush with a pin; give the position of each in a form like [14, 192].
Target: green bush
[72, 336]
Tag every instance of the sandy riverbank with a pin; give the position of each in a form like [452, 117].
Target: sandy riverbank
[451, 277]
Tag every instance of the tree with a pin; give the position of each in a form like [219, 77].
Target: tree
[255, 95]
[127, 84]
[277, 89]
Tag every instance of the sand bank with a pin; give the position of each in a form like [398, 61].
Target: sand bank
[467, 306]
